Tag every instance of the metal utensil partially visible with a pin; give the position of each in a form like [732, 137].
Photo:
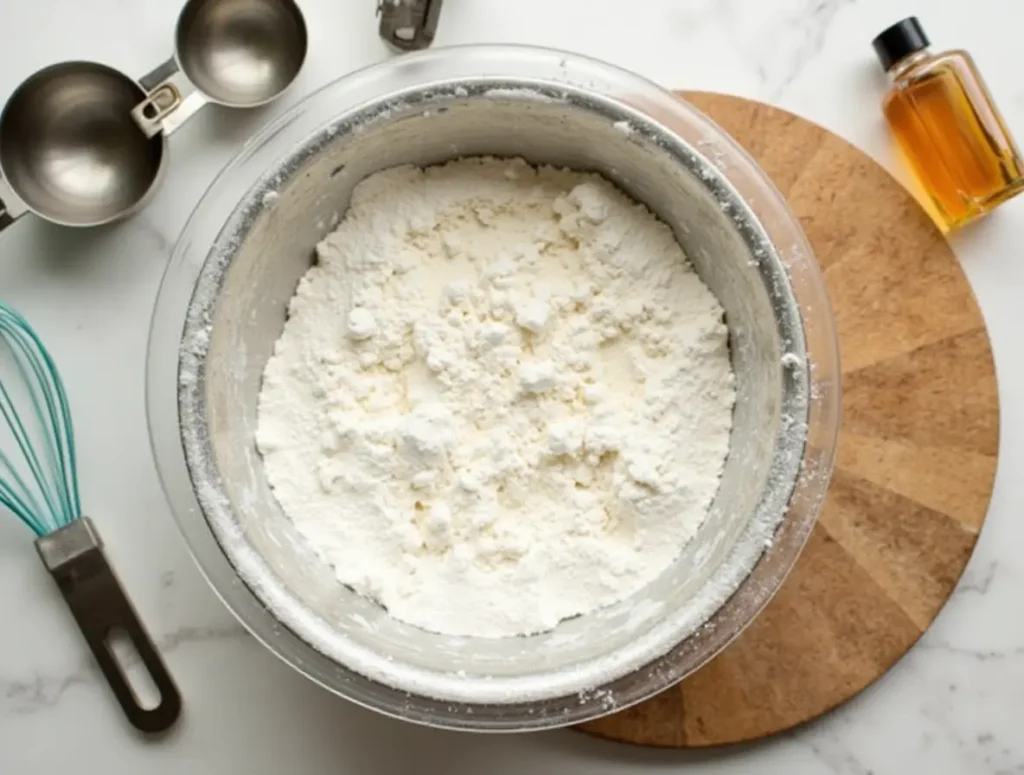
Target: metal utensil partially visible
[409, 25]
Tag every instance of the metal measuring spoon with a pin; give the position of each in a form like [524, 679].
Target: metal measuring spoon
[71, 149]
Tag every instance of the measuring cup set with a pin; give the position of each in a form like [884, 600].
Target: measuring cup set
[82, 144]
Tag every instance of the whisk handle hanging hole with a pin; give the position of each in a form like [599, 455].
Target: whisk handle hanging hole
[75, 558]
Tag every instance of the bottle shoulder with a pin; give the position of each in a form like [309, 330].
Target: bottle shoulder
[956, 61]
[914, 74]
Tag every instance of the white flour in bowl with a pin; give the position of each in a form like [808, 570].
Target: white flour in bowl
[502, 397]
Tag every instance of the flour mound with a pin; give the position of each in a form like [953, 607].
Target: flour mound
[502, 397]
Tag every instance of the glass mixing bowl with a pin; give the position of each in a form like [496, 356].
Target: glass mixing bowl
[222, 305]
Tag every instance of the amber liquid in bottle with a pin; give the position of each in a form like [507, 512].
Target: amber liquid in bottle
[952, 135]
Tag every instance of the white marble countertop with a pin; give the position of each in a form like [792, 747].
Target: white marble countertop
[954, 705]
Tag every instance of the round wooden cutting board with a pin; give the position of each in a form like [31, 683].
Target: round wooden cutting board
[916, 458]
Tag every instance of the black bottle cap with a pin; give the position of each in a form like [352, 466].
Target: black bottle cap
[900, 40]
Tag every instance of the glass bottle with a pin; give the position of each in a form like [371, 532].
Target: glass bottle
[947, 126]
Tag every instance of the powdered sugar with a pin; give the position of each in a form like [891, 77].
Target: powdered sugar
[502, 398]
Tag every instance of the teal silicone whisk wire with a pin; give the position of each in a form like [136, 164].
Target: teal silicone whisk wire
[46, 497]
[39, 485]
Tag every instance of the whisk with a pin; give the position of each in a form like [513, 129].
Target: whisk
[39, 485]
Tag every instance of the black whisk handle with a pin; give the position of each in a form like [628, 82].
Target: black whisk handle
[75, 558]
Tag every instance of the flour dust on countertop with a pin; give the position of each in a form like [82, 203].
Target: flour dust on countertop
[502, 397]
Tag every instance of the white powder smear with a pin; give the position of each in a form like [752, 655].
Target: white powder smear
[502, 398]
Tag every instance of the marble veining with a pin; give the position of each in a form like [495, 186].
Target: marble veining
[952, 707]
[30, 694]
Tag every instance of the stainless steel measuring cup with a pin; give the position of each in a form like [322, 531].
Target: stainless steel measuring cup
[237, 53]
[71, 149]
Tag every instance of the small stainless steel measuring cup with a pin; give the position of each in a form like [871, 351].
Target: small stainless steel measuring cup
[237, 53]
[71, 149]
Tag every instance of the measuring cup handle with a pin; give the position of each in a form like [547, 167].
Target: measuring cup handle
[158, 75]
[170, 101]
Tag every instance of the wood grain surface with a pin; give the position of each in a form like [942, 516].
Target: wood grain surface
[916, 459]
